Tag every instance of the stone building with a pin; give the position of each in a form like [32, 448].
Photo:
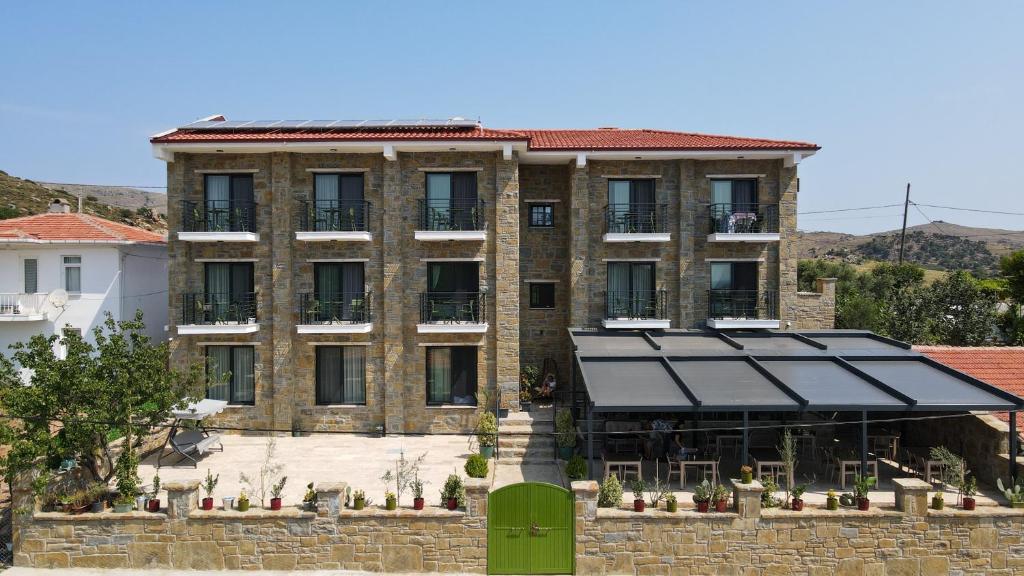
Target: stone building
[395, 276]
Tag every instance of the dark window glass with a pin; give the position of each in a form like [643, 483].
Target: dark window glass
[542, 295]
[230, 374]
[451, 375]
[542, 215]
[340, 375]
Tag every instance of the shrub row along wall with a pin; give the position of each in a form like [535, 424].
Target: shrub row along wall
[748, 541]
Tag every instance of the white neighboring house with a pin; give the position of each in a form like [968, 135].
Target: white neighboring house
[63, 270]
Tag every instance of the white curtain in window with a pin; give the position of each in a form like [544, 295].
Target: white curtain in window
[73, 273]
[218, 367]
[721, 276]
[642, 287]
[618, 288]
[440, 375]
[218, 190]
[243, 375]
[355, 375]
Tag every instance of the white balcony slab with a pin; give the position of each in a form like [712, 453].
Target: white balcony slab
[218, 236]
[635, 323]
[187, 329]
[744, 237]
[31, 317]
[741, 323]
[637, 237]
[362, 328]
[338, 236]
[442, 235]
[452, 328]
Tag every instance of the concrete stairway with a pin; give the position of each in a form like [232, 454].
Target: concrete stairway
[526, 437]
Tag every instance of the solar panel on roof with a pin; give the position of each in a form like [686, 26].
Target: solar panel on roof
[292, 124]
[321, 123]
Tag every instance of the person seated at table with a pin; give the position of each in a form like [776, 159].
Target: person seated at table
[654, 445]
[547, 387]
[680, 450]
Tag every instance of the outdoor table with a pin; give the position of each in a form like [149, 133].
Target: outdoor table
[198, 440]
[768, 460]
[854, 468]
[622, 467]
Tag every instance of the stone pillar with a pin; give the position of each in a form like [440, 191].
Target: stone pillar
[394, 228]
[23, 506]
[787, 244]
[283, 300]
[579, 244]
[330, 498]
[746, 498]
[911, 495]
[476, 497]
[827, 288]
[504, 298]
[182, 498]
[177, 259]
[585, 495]
[688, 229]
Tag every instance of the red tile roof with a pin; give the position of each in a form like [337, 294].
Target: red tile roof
[73, 227]
[553, 140]
[999, 366]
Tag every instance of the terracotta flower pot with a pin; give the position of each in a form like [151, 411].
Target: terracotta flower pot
[275, 503]
[969, 503]
[863, 504]
[417, 503]
[703, 506]
[797, 504]
[453, 503]
[638, 505]
[207, 504]
[153, 505]
[721, 506]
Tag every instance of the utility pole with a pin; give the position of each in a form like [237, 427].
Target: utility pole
[903, 234]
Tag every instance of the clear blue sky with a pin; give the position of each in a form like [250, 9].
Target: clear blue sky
[929, 92]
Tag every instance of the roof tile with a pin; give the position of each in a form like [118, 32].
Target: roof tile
[999, 366]
[73, 227]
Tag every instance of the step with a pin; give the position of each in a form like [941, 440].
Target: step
[526, 440]
[526, 428]
[525, 452]
[519, 461]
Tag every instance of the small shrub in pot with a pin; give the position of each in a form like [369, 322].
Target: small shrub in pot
[796, 493]
[638, 487]
[720, 497]
[938, 502]
[209, 484]
[309, 499]
[275, 493]
[476, 466]
[565, 433]
[153, 504]
[390, 500]
[576, 468]
[861, 486]
[243, 502]
[970, 490]
[702, 496]
[487, 434]
[671, 504]
[746, 474]
[358, 500]
[453, 494]
[417, 494]
[609, 495]
[831, 500]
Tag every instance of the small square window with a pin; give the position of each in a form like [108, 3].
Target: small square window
[542, 215]
[542, 295]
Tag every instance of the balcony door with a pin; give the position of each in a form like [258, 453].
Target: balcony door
[340, 290]
[734, 289]
[631, 206]
[338, 203]
[451, 202]
[453, 291]
[229, 291]
[228, 202]
[733, 204]
[630, 290]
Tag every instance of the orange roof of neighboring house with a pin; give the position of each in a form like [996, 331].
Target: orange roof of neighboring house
[554, 140]
[999, 366]
[72, 227]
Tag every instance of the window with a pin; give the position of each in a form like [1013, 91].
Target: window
[340, 375]
[451, 202]
[542, 215]
[451, 375]
[229, 203]
[31, 267]
[339, 290]
[453, 293]
[338, 202]
[734, 275]
[542, 295]
[734, 290]
[65, 333]
[229, 291]
[230, 374]
[72, 273]
[631, 206]
[631, 292]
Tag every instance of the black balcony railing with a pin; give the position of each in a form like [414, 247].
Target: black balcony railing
[445, 215]
[635, 218]
[204, 308]
[341, 308]
[453, 308]
[334, 216]
[218, 216]
[744, 218]
[743, 305]
[636, 305]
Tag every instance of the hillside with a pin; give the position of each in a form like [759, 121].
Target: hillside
[19, 197]
[955, 247]
[118, 196]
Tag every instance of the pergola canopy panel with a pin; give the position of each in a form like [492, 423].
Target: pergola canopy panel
[930, 386]
[826, 383]
[633, 385]
[731, 384]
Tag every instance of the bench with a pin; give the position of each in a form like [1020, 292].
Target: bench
[191, 444]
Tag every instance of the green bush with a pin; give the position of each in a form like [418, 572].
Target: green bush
[487, 430]
[476, 466]
[576, 468]
[565, 430]
[609, 495]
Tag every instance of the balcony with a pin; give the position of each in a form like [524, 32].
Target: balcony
[736, 309]
[344, 313]
[636, 309]
[340, 220]
[447, 220]
[744, 223]
[218, 221]
[453, 313]
[636, 222]
[203, 313]
[22, 307]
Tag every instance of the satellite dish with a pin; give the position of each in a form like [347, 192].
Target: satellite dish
[59, 298]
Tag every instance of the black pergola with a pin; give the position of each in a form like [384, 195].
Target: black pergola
[691, 371]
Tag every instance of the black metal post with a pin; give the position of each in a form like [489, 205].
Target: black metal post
[864, 444]
[746, 438]
[1013, 448]
[590, 442]
[572, 387]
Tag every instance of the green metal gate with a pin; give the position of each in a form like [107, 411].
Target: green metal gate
[531, 530]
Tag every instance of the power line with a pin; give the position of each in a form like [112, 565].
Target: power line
[849, 209]
[855, 217]
[971, 209]
[104, 185]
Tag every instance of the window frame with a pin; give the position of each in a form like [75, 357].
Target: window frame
[65, 266]
[536, 303]
[550, 211]
[472, 371]
[24, 275]
[232, 384]
[341, 383]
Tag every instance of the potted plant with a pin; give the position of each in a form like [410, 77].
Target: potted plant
[525, 399]
[609, 494]
[417, 494]
[831, 501]
[576, 468]
[358, 500]
[487, 434]
[861, 486]
[702, 496]
[1014, 495]
[227, 502]
[720, 496]
[476, 466]
[141, 501]
[768, 497]
[938, 502]
[565, 433]
[969, 489]
[407, 471]
[153, 504]
[527, 376]
[746, 474]
[98, 496]
[309, 500]
[671, 504]
[453, 494]
[75, 501]
[209, 484]
[796, 501]
[390, 500]
[243, 502]
[267, 477]
[275, 493]
[638, 487]
[123, 503]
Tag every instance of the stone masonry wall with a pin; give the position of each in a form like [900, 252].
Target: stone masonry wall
[815, 310]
